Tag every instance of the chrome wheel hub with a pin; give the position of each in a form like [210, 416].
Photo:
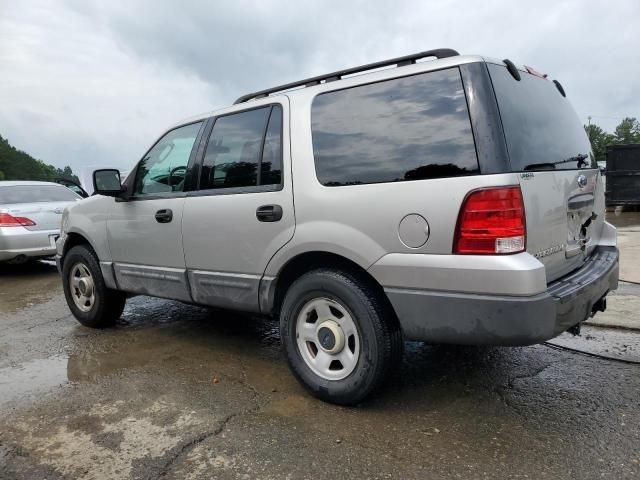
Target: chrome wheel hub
[327, 338]
[82, 287]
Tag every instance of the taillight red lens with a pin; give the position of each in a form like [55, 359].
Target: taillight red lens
[491, 221]
[7, 220]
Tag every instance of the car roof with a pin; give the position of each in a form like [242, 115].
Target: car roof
[17, 183]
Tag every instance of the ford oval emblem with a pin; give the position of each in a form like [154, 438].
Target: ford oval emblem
[582, 181]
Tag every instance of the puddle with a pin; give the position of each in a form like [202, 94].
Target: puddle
[89, 367]
[32, 377]
[41, 375]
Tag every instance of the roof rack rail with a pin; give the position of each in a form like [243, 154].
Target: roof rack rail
[330, 77]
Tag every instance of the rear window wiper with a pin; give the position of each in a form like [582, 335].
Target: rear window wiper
[580, 158]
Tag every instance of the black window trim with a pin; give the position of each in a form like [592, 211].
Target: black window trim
[234, 190]
[197, 192]
[131, 179]
[465, 91]
[486, 123]
[264, 137]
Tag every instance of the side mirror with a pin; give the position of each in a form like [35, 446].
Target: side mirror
[603, 170]
[107, 182]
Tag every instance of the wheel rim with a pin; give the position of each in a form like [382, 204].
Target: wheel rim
[82, 287]
[327, 338]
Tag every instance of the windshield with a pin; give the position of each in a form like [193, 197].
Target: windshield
[542, 130]
[36, 193]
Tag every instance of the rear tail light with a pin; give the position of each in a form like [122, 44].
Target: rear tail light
[7, 220]
[491, 221]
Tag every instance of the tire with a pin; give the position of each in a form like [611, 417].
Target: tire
[377, 337]
[105, 306]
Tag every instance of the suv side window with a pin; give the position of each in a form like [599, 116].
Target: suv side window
[409, 128]
[244, 150]
[164, 167]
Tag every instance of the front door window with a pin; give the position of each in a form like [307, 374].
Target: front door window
[164, 167]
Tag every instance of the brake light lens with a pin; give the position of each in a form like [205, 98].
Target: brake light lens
[535, 72]
[7, 220]
[491, 221]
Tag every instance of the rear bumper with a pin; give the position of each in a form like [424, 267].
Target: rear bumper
[18, 241]
[463, 318]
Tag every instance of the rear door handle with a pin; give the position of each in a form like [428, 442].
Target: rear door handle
[269, 213]
[164, 215]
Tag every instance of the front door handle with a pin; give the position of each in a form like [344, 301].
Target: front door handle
[269, 213]
[164, 216]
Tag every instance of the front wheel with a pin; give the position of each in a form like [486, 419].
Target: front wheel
[91, 302]
[340, 338]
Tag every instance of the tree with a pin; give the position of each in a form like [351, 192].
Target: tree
[67, 173]
[628, 131]
[599, 140]
[18, 165]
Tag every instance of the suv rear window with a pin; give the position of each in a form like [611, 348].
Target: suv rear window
[36, 193]
[409, 128]
[542, 130]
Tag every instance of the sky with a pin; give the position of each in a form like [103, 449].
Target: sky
[95, 83]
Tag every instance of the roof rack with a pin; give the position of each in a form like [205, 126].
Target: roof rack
[331, 77]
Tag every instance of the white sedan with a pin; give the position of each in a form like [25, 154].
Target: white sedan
[30, 215]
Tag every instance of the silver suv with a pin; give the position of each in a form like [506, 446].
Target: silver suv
[455, 200]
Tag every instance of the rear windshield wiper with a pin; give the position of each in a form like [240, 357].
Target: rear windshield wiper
[580, 158]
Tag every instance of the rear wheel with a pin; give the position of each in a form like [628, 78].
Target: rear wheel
[91, 302]
[339, 336]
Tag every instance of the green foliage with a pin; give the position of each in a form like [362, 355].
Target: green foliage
[18, 165]
[599, 141]
[627, 131]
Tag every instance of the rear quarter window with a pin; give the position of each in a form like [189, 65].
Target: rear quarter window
[410, 128]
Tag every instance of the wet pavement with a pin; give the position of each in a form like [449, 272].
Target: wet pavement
[177, 391]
